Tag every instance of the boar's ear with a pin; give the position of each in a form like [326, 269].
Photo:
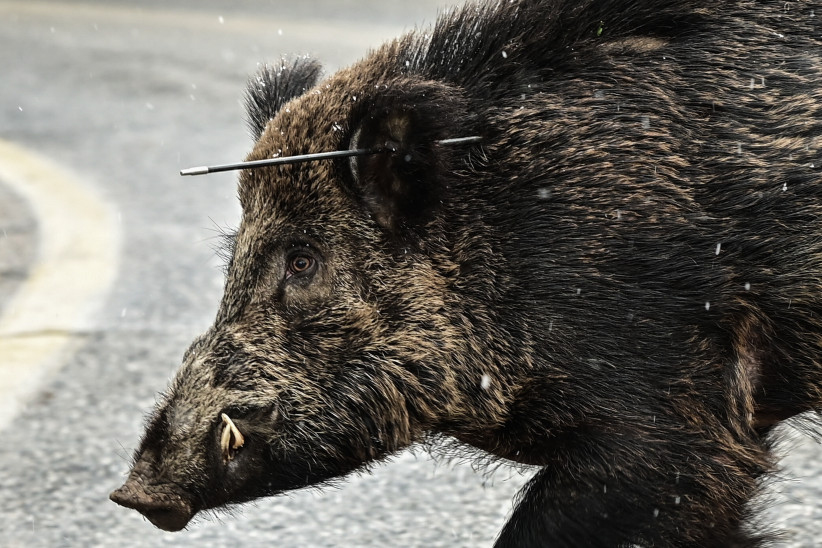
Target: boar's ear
[274, 86]
[403, 186]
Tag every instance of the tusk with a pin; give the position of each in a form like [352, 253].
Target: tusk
[225, 440]
[230, 432]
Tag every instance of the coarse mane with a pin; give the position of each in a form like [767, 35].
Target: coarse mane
[532, 37]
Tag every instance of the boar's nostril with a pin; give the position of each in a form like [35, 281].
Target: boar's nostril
[167, 512]
[231, 439]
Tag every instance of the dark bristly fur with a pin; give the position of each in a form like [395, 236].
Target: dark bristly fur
[274, 86]
[622, 284]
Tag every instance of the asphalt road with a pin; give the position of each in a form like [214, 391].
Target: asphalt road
[120, 98]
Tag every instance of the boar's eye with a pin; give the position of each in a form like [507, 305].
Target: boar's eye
[300, 265]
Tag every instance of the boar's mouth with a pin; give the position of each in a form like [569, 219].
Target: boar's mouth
[165, 506]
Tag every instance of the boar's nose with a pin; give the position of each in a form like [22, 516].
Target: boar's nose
[163, 507]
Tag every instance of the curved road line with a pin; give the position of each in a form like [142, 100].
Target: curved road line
[76, 264]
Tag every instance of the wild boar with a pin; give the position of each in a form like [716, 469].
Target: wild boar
[620, 283]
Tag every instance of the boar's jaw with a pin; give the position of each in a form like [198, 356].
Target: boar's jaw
[166, 505]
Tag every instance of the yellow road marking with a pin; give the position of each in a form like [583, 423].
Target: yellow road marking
[76, 264]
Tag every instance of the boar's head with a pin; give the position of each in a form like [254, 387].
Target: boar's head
[339, 339]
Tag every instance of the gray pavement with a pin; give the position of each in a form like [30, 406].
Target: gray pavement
[124, 96]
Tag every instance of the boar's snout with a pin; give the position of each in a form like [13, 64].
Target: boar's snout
[166, 505]
[167, 511]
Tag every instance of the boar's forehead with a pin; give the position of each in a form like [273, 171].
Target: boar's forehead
[318, 121]
[322, 119]
[289, 198]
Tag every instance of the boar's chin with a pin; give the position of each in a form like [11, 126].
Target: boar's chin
[166, 506]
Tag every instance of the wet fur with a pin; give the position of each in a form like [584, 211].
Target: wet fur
[631, 256]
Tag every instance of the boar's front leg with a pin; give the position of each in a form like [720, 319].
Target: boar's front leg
[610, 491]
